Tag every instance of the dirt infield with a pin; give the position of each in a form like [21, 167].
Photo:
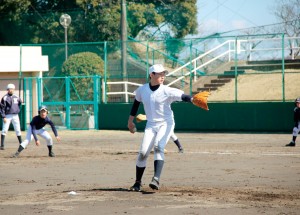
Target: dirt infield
[217, 174]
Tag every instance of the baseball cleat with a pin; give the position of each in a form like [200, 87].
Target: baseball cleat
[15, 155]
[154, 184]
[180, 150]
[51, 154]
[136, 187]
[1, 147]
[291, 144]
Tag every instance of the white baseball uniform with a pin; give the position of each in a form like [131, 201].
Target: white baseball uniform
[14, 118]
[296, 130]
[41, 132]
[173, 136]
[10, 108]
[160, 119]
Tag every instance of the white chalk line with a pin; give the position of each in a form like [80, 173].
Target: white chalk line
[247, 153]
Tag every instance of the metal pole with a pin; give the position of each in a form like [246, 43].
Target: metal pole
[96, 101]
[105, 73]
[282, 61]
[65, 21]
[191, 69]
[20, 72]
[147, 57]
[235, 70]
[67, 106]
[124, 39]
[66, 43]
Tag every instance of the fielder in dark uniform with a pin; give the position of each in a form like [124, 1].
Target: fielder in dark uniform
[296, 128]
[35, 128]
[10, 108]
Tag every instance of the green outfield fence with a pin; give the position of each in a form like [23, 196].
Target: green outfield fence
[222, 117]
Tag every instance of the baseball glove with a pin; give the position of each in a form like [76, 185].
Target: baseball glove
[200, 99]
[140, 118]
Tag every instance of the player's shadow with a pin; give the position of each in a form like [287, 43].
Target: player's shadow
[117, 190]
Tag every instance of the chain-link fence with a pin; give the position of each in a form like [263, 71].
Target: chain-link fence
[72, 101]
[236, 68]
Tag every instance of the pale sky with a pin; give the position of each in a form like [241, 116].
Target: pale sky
[225, 15]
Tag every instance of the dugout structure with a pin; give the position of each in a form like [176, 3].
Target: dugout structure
[17, 63]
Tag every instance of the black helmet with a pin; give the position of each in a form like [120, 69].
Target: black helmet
[297, 100]
[43, 107]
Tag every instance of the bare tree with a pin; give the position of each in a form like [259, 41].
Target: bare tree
[288, 13]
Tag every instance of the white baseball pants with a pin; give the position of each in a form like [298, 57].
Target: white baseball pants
[296, 130]
[173, 136]
[14, 118]
[156, 135]
[41, 132]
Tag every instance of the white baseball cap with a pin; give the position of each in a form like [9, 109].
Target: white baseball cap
[157, 68]
[10, 86]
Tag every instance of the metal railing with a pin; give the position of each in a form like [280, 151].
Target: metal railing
[124, 86]
[233, 50]
[233, 47]
[214, 56]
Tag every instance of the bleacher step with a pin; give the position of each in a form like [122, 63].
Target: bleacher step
[213, 85]
[221, 80]
[206, 89]
[232, 72]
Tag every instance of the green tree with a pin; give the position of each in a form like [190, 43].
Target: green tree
[174, 19]
[82, 64]
[37, 21]
[11, 21]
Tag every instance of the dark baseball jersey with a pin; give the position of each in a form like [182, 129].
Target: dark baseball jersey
[296, 116]
[38, 122]
[10, 104]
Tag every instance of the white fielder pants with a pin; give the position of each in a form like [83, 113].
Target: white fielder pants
[156, 135]
[41, 132]
[14, 118]
[173, 136]
[296, 130]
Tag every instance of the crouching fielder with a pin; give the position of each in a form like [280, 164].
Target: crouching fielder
[157, 99]
[35, 128]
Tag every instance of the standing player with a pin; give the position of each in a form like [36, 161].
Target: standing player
[10, 108]
[36, 127]
[157, 99]
[296, 128]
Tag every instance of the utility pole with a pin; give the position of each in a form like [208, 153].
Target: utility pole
[65, 21]
[124, 39]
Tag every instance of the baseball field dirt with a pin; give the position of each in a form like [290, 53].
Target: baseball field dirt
[218, 173]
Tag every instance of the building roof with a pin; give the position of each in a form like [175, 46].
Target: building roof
[32, 59]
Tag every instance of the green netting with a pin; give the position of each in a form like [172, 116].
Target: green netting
[72, 101]
[191, 63]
